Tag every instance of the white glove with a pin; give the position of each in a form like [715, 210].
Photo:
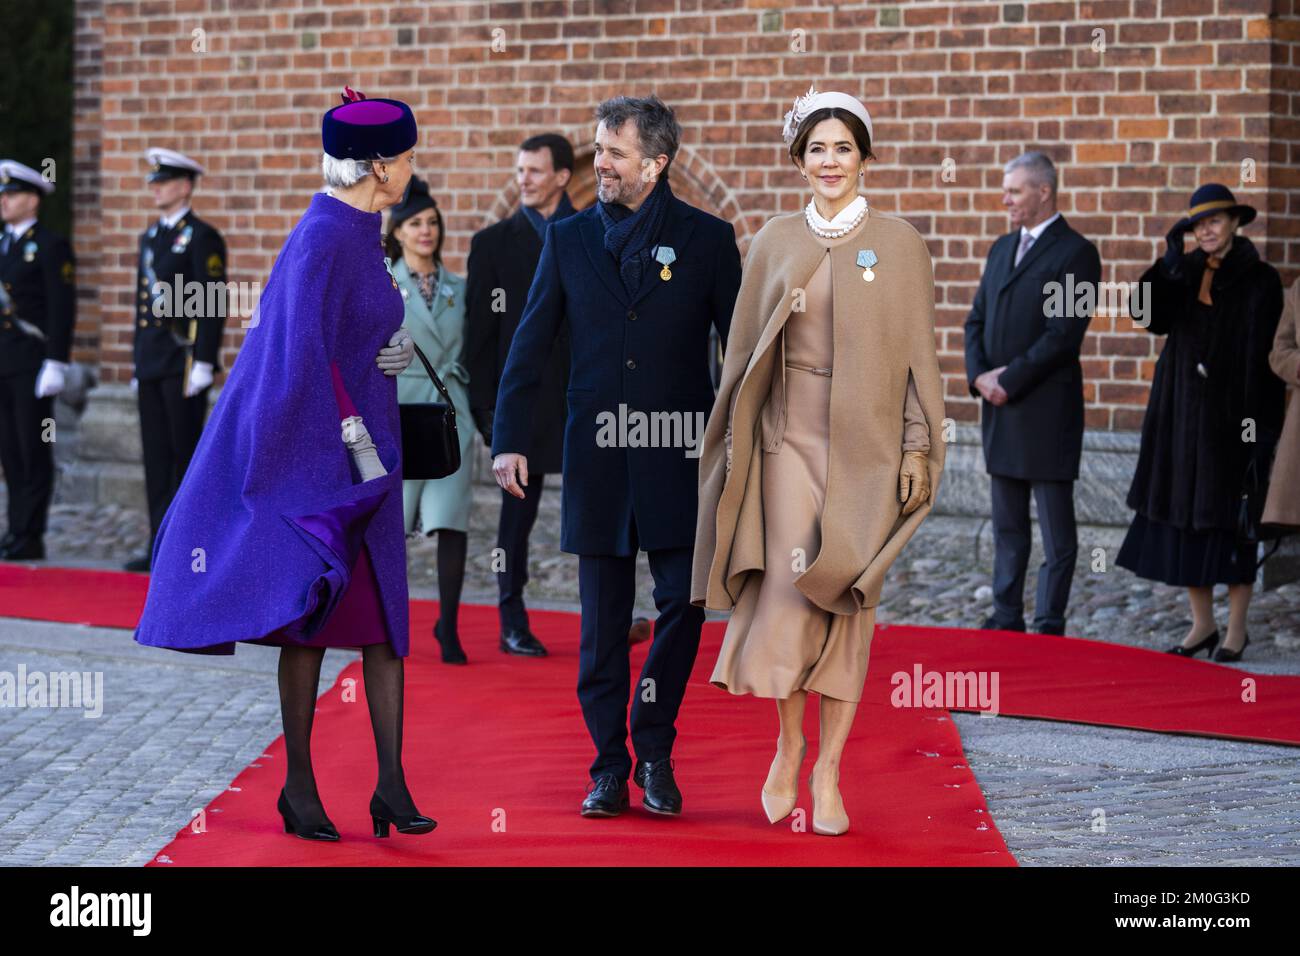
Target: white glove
[135, 384]
[51, 379]
[399, 353]
[200, 378]
[362, 448]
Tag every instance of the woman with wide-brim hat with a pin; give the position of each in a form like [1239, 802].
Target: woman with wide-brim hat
[1212, 419]
[822, 453]
[287, 530]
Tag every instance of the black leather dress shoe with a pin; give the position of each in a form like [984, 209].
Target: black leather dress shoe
[139, 563]
[25, 549]
[655, 777]
[991, 624]
[524, 643]
[607, 797]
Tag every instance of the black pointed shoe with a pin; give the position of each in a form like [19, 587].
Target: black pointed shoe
[655, 777]
[606, 797]
[382, 816]
[25, 549]
[1225, 656]
[1204, 644]
[306, 831]
[452, 652]
[524, 643]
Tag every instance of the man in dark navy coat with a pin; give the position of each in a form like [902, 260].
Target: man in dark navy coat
[502, 262]
[1023, 337]
[639, 278]
[37, 313]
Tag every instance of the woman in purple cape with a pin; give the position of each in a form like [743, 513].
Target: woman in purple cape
[287, 529]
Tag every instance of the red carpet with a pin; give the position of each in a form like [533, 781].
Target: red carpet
[497, 751]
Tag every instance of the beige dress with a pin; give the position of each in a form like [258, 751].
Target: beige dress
[777, 641]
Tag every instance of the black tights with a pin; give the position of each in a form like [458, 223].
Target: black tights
[299, 683]
[452, 548]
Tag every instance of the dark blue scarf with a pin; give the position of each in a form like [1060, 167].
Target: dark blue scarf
[540, 222]
[629, 235]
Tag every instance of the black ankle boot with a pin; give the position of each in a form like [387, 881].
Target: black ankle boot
[449, 641]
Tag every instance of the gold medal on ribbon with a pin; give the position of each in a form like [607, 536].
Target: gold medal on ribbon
[667, 256]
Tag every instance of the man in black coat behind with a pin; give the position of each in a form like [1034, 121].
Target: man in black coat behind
[502, 260]
[1023, 337]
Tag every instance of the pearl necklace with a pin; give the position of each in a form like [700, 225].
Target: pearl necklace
[814, 219]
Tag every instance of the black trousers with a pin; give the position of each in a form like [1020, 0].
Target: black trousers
[1012, 542]
[518, 515]
[170, 425]
[607, 589]
[26, 453]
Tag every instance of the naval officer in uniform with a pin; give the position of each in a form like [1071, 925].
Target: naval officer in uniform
[180, 317]
[37, 313]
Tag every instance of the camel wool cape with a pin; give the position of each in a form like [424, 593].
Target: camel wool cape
[883, 332]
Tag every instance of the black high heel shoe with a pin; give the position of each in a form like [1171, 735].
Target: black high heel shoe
[306, 831]
[1206, 644]
[382, 816]
[452, 652]
[1225, 656]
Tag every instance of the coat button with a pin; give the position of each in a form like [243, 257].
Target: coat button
[143, 323]
[631, 363]
[631, 316]
[144, 281]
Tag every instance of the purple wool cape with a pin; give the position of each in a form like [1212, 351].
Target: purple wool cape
[264, 533]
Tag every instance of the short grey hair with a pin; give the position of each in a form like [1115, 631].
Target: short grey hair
[1040, 167]
[656, 124]
[342, 173]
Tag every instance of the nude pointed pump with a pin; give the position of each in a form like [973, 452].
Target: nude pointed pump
[826, 826]
[778, 806]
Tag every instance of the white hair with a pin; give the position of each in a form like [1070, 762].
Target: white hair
[1038, 166]
[342, 173]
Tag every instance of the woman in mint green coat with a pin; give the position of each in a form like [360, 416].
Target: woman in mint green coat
[435, 317]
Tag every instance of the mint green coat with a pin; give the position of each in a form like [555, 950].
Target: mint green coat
[440, 334]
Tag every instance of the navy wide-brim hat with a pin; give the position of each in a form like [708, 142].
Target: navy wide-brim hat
[1212, 198]
[367, 129]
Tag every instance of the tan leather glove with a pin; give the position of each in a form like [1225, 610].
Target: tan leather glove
[913, 480]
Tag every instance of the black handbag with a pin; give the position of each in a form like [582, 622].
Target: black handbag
[430, 442]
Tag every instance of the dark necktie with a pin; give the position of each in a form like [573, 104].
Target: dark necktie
[5, 242]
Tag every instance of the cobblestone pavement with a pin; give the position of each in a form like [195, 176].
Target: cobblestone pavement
[113, 790]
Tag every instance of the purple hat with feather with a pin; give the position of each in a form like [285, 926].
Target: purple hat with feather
[367, 129]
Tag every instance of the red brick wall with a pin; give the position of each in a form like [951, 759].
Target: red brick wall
[1182, 93]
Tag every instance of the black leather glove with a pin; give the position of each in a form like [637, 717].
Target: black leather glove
[483, 422]
[1173, 260]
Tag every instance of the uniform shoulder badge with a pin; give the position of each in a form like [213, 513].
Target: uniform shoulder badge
[67, 272]
[214, 265]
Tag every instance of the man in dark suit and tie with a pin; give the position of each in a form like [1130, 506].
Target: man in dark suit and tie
[639, 277]
[1023, 336]
[502, 261]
